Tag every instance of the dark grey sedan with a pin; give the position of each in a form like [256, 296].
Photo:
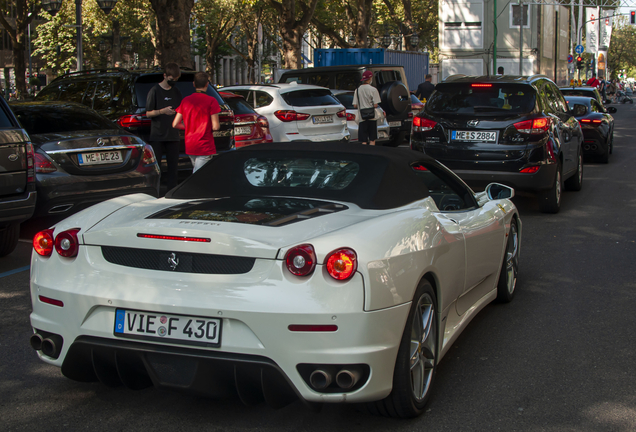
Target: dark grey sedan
[82, 158]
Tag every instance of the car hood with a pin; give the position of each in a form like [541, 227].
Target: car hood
[223, 227]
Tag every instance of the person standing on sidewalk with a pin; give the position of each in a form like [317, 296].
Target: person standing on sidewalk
[198, 115]
[369, 98]
[425, 89]
[160, 109]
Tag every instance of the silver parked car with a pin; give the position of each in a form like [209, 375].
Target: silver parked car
[297, 112]
[346, 98]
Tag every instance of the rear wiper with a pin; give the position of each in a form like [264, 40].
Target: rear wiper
[489, 108]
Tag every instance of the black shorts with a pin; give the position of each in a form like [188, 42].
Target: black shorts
[367, 131]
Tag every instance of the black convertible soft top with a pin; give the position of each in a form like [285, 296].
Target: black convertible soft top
[386, 178]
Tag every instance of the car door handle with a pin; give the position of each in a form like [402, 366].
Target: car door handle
[453, 220]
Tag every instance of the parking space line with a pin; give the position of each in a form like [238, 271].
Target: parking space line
[18, 270]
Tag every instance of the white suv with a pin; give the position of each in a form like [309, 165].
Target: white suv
[297, 112]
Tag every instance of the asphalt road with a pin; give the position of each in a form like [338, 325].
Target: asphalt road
[560, 357]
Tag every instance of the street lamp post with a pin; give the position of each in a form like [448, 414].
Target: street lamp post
[54, 6]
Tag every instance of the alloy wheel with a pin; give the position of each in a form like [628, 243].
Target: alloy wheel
[423, 347]
[511, 259]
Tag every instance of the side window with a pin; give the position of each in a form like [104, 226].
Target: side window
[548, 97]
[559, 102]
[50, 93]
[103, 95]
[247, 94]
[88, 96]
[262, 99]
[348, 80]
[595, 106]
[448, 194]
[74, 91]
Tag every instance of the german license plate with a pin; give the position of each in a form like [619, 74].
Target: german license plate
[323, 119]
[182, 329]
[395, 124]
[474, 136]
[101, 157]
[242, 130]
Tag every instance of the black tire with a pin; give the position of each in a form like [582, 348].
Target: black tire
[9, 237]
[412, 384]
[575, 183]
[604, 158]
[550, 200]
[510, 267]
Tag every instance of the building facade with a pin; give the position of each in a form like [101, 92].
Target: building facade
[467, 32]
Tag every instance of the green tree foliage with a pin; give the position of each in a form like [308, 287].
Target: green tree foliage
[621, 51]
[56, 39]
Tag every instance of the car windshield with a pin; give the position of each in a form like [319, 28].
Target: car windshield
[55, 119]
[481, 98]
[346, 99]
[310, 97]
[306, 173]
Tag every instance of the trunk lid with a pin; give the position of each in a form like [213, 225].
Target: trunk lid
[91, 152]
[255, 227]
[321, 107]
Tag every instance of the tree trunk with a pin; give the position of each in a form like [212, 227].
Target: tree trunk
[18, 36]
[292, 29]
[173, 30]
[116, 44]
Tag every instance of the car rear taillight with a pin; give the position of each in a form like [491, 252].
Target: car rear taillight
[530, 170]
[43, 165]
[342, 263]
[30, 163]
[262, 121]
[43, 243]
[133, 120]
[66, 243]
[290, 115]
[149, 156]
[342, 114]
[535, 126]
[588, 121]
[480, 85]
[421, 124]
[301, 260]
[351, 117]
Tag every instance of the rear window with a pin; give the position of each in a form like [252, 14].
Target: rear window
[239, 106]
[319, 79]
[5, 121]
[331, 174]
[312, 97]
[145, 82]
[482, 99]
[43, 120]
[578, 92]
[346, 99]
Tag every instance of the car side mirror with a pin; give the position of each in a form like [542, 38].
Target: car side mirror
[578, 110]
[499, 191]
[611, 110]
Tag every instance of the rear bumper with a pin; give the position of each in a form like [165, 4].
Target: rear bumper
[17, 209]
[541, 180]
[66, 194]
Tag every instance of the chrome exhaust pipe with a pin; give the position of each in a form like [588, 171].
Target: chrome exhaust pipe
[52, 345]
[346, 378]
[320, 379]
[586, 147]
[36, 341]
[593, 147]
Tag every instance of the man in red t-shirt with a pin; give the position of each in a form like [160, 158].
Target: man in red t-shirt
[198, 115]
[593, 82]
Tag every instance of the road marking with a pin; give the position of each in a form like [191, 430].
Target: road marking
[18, 270]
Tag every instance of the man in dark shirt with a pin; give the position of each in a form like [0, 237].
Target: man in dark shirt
[160, 108]
[425, 89]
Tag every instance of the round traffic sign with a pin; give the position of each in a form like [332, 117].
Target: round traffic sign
[579, 49]
[570, 58]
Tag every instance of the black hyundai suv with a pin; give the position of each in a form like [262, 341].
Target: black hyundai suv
[509, 129]
[390, 80]
[17, 179]
[120, 95]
